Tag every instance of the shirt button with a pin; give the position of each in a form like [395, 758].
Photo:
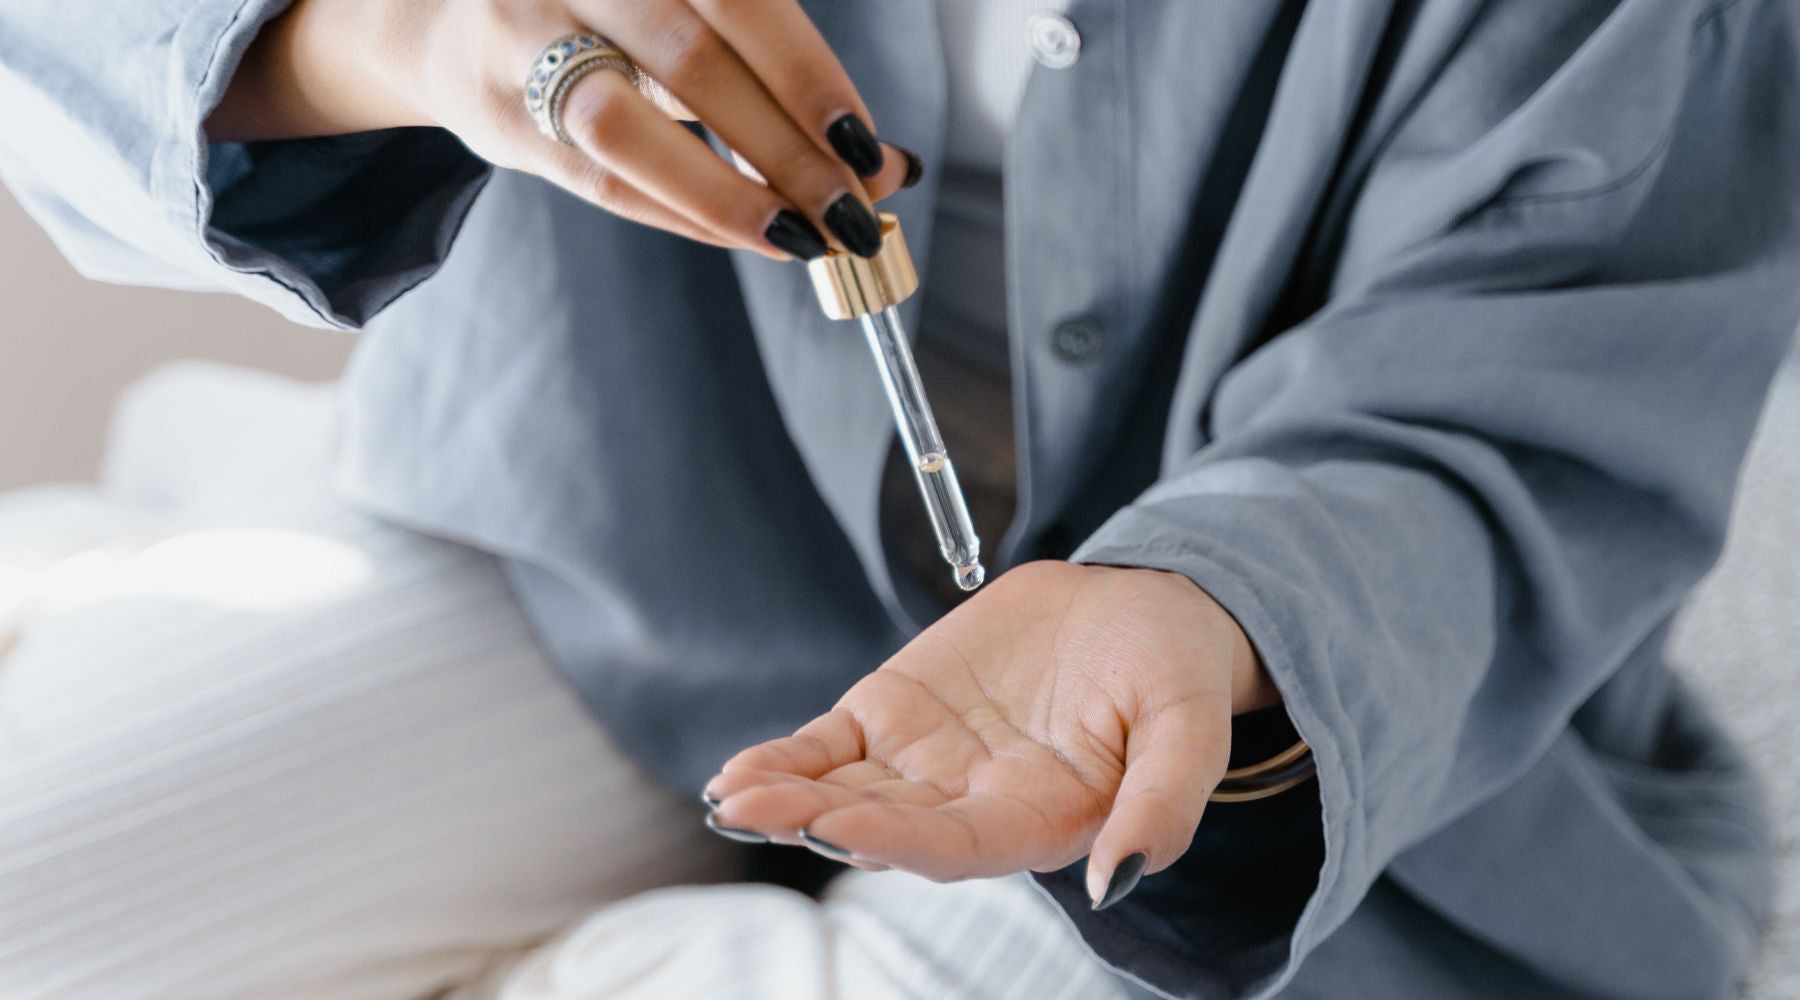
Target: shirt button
[1055, 43]
[1076, 341]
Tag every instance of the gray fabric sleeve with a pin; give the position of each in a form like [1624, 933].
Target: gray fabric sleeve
[106, 150]
[1449, 503]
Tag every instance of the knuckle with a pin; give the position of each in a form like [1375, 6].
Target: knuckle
[689, 55]
[604, 188]
[599, 108]
[511, 17]
[519, 25]
[789, 762]
[612, 192]
[797, 167]
[815, 90]
[494, 14]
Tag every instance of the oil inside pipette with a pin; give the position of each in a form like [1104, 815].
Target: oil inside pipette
[957, 541]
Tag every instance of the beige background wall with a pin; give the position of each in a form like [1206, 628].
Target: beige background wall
[68, 345]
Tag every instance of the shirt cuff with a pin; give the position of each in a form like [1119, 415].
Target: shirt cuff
[350, 223]
[327, 230]
[1233, 916]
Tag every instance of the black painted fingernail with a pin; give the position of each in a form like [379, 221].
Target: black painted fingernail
[915, 168]
[712, 801]
[732, 832]
[792, 234]
[856, 145]
[854, 226]
[1124, 879]
[824, 847]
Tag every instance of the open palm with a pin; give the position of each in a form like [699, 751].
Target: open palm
[1064, 711]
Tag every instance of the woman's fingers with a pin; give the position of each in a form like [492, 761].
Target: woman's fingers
[633, 161]
[685, 54]
[826, 743]
[1174, 757]
[893, 823]
[577, 173]
[510, 39]
[630, 137]
[977, 836]
[778, 806]
[780, 44]
[901, 169]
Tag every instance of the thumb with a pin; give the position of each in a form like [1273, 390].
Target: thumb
[1174, 756]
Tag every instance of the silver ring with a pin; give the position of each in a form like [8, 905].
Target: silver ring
[559, 66]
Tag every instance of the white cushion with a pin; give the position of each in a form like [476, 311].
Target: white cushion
[1738, 640]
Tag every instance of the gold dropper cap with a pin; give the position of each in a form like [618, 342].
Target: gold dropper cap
[850, 286]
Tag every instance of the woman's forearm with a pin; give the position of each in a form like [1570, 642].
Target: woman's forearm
[312, 71]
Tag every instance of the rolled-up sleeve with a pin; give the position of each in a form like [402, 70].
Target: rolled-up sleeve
[1447, 505]
[105, 146]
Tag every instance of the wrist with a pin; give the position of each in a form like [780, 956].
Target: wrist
[320, 68]
[1251, 687]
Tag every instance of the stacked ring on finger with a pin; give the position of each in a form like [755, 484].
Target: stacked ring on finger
[568, 59]
[557, 69]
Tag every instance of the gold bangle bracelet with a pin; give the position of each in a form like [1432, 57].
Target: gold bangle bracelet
[1275, 763]
[1287, 769]
[1251, 795]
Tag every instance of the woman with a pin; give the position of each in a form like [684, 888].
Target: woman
[1385, 361]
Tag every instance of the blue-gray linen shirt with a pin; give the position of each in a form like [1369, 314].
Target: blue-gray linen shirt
[1431, 336]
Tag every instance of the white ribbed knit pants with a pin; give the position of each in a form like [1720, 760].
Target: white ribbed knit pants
[256, 745]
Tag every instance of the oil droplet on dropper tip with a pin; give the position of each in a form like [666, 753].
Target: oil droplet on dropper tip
[971, 576]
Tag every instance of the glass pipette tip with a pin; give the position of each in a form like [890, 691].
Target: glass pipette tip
[924, 447]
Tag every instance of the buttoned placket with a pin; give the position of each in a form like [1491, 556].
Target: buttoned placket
[1065, 219]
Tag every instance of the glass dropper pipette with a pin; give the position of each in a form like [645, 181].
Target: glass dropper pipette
[868, 290]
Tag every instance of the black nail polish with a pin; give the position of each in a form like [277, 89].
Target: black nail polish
[1124, 879]
[712, 801]
[855, 145]
[792, 234]
[854, 226]
[824, 847]
[915, 168]
[732, 832]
